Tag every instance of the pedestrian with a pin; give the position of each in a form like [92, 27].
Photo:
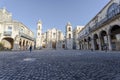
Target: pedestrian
[91, 49]
[30, 48]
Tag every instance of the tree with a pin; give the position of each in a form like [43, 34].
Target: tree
[1, 46]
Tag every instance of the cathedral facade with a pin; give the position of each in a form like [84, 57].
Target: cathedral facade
[54, 38]
[51, 39]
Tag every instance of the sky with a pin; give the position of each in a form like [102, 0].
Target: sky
[53, 13]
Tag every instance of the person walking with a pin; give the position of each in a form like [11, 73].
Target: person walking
[30, 48]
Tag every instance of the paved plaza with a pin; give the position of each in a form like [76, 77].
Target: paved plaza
[59, 65]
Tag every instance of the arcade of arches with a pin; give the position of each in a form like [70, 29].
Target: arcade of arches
[108, 39]
[8, 43]
[25, 44]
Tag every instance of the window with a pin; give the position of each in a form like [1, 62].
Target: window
[69, 36]
[54, 34]
[38, 27]
[38, 34]
[69, 29]
[9, 28]
[21, 30]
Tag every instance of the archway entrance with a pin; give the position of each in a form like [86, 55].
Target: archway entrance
[103, 39]
[54, 45]
[115, 37]
[8, 43]
[95, 37]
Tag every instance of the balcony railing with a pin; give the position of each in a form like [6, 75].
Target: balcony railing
[108, 18]
[7, 33]
[25, 36]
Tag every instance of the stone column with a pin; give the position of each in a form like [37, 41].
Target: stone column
[83, 45]
[93, 44]
[109, 43]
[100, 48]
[22, 44]
[87, 45]
[16, 44]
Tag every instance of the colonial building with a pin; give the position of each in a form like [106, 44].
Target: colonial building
[51, 39]
[75, 37]
[13, 34]
[103, 31]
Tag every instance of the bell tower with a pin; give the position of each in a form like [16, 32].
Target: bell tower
[39, 35]
[69, 36]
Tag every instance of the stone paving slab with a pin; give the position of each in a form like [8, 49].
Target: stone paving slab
[59, 65]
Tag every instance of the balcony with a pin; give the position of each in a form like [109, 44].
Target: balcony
[7, 33]
[109, 17]
[26, 36]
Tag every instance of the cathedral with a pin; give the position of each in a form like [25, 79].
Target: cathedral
[53, 38]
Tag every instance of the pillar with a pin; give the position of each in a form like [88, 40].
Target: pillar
[93, 44]
[16, 44]
[109, 42]
[100, 48]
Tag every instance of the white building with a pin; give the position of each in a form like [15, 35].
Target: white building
[52, 39]
[13, 34]
[103, 31]
[76, 31]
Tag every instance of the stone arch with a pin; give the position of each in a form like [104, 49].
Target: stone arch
[85, 43]
[114, 33]
[27, 45]
[69, 29]
[23, 44]
[103, 39]
[96, 41]
[54, 44]
[81, 44]
[8, 42]
[69, 36]
[89, 42]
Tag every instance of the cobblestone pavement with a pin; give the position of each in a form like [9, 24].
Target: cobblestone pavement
[59, 65]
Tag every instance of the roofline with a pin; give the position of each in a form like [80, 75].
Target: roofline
[98, 12]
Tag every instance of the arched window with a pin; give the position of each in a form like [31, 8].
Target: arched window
[69, 36]
[38, 27]
[69, 28]
[38, 34]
